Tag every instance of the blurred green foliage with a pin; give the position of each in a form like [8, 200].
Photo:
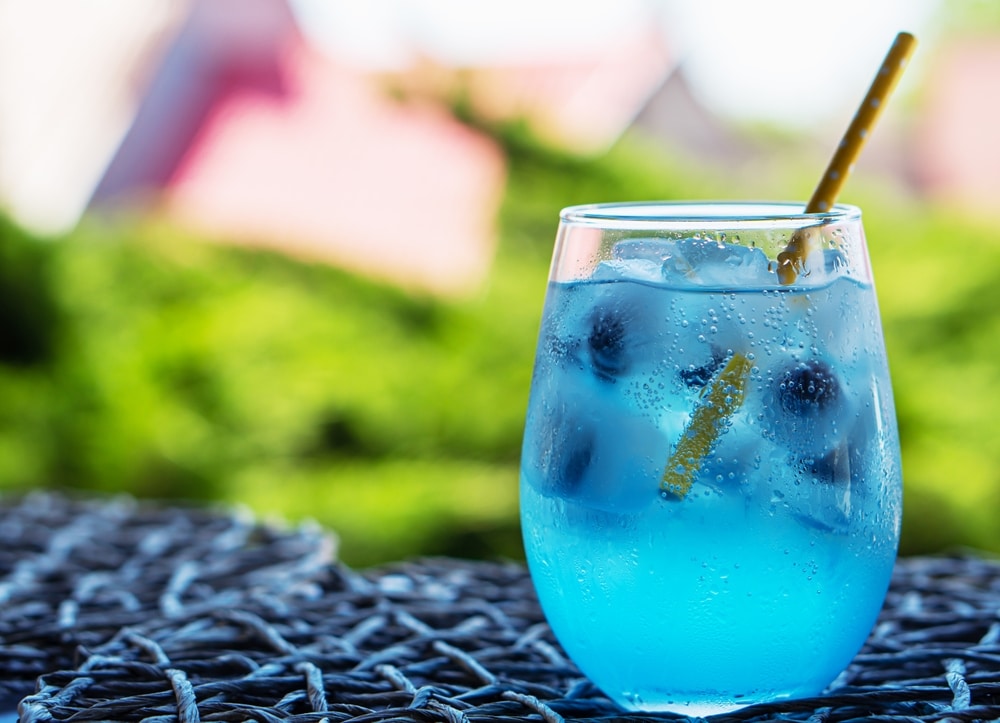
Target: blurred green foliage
[969, 16]
[134, 358]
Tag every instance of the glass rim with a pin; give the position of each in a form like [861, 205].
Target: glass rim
[650, 214]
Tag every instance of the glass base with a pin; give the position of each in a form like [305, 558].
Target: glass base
[697, 705]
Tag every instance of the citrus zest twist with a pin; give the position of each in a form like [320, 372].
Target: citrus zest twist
[721, 401]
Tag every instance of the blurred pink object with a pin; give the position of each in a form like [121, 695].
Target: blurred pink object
[248, 135]
[957, 149]
[333, 169]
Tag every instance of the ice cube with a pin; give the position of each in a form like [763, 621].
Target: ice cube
[820, 506]
[621, 330]
[706, 262]
[825, 437]
[628, 269]
[861, 473]
[733, 466]
[806, 409]
[649, 249]
[857, 460]
[584, 445]
[817, 494]
[834, 263]
[635, 259]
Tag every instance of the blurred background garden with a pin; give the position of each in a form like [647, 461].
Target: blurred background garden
[293, 255]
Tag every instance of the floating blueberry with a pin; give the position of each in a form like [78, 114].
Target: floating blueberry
[700, 376]
[606, 342]
[808, 388]
[560, 446]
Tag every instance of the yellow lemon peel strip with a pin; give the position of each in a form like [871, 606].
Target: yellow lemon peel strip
[721, 401]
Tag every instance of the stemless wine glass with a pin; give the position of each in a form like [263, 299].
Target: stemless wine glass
[710, 480]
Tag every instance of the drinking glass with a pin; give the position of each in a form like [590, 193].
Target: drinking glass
[710, 480]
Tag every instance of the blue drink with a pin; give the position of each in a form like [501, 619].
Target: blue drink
[760, 576]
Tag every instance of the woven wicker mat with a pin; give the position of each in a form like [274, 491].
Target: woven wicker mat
[450, 640]
[73, 572]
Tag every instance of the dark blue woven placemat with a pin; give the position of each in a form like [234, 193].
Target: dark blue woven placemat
[451, 640]
[73, 572]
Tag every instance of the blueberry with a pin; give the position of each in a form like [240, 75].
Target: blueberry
[606, 343]
[572, 464]
[808, 388]
[559, 445]
[701, 376]
[566, 454]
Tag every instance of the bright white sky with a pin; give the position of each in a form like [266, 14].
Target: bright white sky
[793, 61]
[796, 62]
